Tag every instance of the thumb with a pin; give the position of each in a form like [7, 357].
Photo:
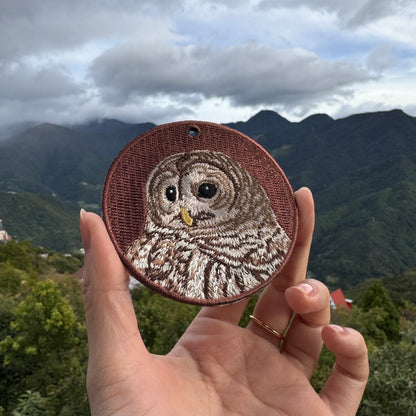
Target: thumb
[110, 318]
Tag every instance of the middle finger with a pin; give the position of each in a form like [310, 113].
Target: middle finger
[272, 307]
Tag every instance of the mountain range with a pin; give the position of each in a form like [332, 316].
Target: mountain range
[361, 170]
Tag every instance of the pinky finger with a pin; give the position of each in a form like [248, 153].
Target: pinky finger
[345, 386]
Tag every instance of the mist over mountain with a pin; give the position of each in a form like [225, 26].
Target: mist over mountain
[9, 130]
[361, 169]
[70, 162]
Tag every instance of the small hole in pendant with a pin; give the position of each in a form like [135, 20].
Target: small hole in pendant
[193, 132]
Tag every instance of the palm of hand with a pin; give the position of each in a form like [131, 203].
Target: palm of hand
[217, 368]
[242, 373]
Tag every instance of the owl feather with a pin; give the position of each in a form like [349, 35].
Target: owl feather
[210, 231]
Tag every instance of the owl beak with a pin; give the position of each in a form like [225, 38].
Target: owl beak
[187, 219]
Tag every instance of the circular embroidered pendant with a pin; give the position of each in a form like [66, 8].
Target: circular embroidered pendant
[199, 212]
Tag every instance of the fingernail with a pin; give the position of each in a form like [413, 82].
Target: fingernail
[306, 288]
[85, 235]
[339, 329]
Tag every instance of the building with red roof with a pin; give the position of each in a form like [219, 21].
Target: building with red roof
[338, 300]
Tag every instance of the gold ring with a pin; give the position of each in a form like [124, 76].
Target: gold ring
[268, 328]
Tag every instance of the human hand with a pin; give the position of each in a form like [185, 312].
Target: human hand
[217, 367]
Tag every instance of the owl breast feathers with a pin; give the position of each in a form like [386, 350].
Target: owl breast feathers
[210, 231]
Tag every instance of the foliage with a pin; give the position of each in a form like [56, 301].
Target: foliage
[43, 349]
[22, 256]
[376, 298]
[43, 321]
[391, 388]
[370, 324]
[42, 346]
[43, 219]
[161, 321]
[70, 163]
[11, 279]
[65, 263]
[374, 316]
[323, 369]
[407, 311]
[369, 236]
[402, 288]
[30, 404]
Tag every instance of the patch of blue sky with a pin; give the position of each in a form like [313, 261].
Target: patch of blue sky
[235, 27]
[74, 61]
[282, 29]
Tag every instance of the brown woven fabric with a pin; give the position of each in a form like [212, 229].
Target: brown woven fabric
[124, 195]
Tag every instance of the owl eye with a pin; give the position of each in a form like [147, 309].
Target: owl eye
[207, 190]
[171, 193]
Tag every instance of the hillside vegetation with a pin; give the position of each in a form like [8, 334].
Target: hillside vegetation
[43, 219]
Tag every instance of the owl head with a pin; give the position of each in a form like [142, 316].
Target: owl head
[200, 190]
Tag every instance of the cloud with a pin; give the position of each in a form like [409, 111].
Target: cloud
[161, 60]
[249, 74]
[32, 93]
[34, 27]
[351, 14]
[19, 81]
[380, 58]
[346, 109]
[37, 92]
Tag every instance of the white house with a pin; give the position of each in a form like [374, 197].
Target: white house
[4, 236]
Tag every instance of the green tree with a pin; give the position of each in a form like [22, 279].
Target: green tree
[323, 369]
[64, 263]
[161, 320]
[10, 279]
[30, 404]
[22, 256]
[43, 321]
[376, 298]
[370, 323]
[7, 304]
[45, 351]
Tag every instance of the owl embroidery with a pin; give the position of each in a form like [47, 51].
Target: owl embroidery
[210, 231]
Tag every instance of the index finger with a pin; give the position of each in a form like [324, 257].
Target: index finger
[109, 311]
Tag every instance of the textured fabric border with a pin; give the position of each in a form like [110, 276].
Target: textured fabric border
[124, 193]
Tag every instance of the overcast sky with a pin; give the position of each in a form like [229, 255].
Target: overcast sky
[222, 61]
